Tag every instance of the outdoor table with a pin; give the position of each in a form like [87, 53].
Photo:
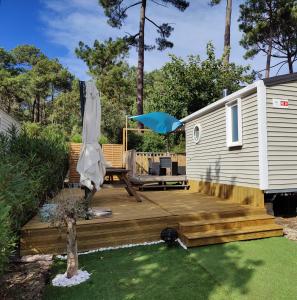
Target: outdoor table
[122, 175]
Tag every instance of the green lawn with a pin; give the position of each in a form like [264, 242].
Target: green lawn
[261, 269]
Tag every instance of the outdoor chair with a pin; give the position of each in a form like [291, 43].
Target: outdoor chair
[166, 163]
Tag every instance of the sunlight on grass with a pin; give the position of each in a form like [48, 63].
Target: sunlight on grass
[261, 269]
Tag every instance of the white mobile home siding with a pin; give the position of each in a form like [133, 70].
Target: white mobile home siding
[282, 137]
[6, 121]
[210, 160]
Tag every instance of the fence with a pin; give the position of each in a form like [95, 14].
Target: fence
[136, 162]
[113, 154]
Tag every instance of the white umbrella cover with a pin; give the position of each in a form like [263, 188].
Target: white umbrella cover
[91, 164]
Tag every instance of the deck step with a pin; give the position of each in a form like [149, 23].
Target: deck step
[163, 187]
[193, 239]
[226, 223]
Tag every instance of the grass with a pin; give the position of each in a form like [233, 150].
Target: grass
[260, 269]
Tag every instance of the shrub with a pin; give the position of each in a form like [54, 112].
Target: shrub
[103, 140]
[153, 142]
[76, 138]
[33, 165]
[7, 237]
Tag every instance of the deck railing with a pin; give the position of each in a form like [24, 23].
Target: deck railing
[137, 162]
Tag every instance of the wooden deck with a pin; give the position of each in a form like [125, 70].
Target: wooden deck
[200, 220]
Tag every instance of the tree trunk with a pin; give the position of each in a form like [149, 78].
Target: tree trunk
[72, 257]
[290, 64]
[268, 60]
[227, 36]
[140, 61]
[33, 110]
[38, 108]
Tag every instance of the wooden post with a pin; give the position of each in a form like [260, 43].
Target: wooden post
[124, 139]
[126, 135]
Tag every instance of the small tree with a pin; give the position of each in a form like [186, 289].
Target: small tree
[69, 207]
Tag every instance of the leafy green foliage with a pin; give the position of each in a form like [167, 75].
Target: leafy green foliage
[65, 110]
[76, 138]
[29, 81]
[153, 142]
[33, 165]
[116, 11]
[115, 80]
[182, 87]
[7, 237]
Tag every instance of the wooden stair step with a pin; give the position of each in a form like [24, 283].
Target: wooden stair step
[226, 223]
[95, 232]
[223, 236]
[163, 187]
[228, 213]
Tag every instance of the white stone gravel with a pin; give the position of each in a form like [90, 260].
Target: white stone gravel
[64, 257]
[62, 281]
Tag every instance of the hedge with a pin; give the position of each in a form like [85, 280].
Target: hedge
[33, 165]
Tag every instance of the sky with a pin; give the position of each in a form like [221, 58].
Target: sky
[56, 27]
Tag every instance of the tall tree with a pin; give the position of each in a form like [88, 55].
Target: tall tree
[270, 27]
[116, 11]
[37, 79]
[227, 35]
[115, 80]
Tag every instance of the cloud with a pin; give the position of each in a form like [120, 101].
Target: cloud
[70, 21]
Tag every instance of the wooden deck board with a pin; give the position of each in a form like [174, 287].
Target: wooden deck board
[131, 221]
[142, 179]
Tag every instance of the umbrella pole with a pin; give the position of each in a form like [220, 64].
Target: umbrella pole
[87, 200]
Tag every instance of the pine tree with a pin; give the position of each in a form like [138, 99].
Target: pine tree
[116, 11]
[270, 27]
[227, 35]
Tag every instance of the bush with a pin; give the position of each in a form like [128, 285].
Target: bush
[7, 237]
[33, 165]
[76, 138]
[153, 142]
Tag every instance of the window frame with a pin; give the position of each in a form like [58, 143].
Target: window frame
[229, 127]
[197, 125]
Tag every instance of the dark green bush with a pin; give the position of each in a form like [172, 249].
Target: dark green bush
[76, 138]
[153, 142]
[33, 165]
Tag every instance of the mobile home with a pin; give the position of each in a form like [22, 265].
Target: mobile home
[244, 145]
[6, 122]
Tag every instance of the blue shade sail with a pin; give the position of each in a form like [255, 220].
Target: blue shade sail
[159, 122]
[234, 118]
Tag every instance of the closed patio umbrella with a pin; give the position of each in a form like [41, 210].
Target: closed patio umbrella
[91, 164]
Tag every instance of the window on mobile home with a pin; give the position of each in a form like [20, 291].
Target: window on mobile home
[234, 123]
[197, 133]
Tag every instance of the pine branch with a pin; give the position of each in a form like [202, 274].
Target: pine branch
[281, 67]
[154, 1]
[132, 5]
[272, 66]
[151, 21]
